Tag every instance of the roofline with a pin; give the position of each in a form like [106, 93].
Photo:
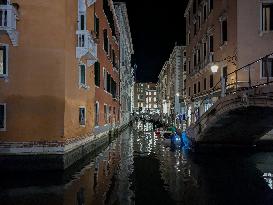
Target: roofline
[188, 8]
[123, 7]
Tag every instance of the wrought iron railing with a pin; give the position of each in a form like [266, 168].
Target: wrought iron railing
[237, 85]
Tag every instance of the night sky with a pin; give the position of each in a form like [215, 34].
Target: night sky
[155, 26]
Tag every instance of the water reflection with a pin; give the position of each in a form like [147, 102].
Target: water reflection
[138, 168]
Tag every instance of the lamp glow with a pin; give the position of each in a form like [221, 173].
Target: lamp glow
[177, 94]
[214, 68]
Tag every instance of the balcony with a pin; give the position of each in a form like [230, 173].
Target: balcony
[8, 18]
[86, 46]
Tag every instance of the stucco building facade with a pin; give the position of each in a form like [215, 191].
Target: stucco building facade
[225, 35]
[126, 69]
[59, 78]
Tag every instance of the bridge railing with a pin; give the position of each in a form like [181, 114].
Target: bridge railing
[253, 75]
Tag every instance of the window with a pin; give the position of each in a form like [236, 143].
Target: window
[82, 22]
[114, 58]
[189, 91]
[189, 65]
[3, 60]
[267, 67]
[2, 117]
[211, 81]
[199, 56]
[224, 28]
[205, 12]
[267, 16]
[105, 41]
[97, 26]
[105, 114]
[194, 7]
[104, 79]
[82, 113]
[110, 51]
[205, 50]
[108, 82]
[205, 83]
[194, 28]
[199, 87]
[82, 75]
[97, 74]
[97, 113]
[210, 5]
[3, 2]
[194, 89]
[211, 43]
[185, 66]
[194, 60]
[199, 21]
[113, 88]
[225, 72]
[189, 38]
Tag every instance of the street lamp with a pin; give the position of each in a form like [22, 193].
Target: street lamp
[214, 68]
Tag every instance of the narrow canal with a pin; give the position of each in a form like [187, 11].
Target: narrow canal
[138, 168]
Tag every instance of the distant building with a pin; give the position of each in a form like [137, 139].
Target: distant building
[145, 97]
[126, 70]
[226, 35]
[171, 85]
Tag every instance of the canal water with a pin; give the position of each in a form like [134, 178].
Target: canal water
[140, 168]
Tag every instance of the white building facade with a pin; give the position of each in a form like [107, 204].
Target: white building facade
[126, 70]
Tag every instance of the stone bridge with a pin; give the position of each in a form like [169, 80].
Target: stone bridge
[240, 118]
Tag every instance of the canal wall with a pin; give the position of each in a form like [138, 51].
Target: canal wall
[46, 156]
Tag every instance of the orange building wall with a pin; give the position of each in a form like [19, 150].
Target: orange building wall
[42, 91]
[75, 96]
[100, 94]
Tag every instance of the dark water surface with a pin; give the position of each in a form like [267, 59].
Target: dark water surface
[138, 168]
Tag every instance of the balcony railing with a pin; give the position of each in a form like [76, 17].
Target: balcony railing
[8, 17]
[86, 46]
